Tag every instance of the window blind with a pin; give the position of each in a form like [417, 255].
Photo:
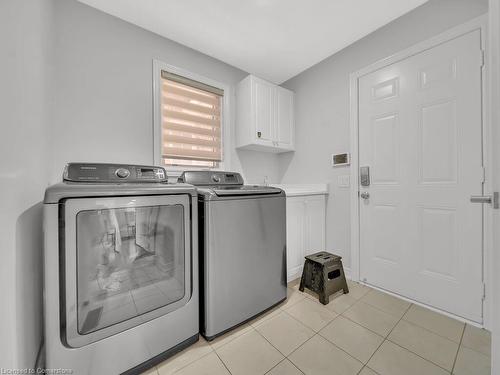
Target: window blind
[191, 122]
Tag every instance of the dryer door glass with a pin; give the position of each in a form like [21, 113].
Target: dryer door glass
[130, 261]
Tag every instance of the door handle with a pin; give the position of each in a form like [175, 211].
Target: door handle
[490, 199]
[365, 195]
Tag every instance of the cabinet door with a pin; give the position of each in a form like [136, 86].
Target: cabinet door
[285, 118]
[295, 223]
[315, 217]
[264, 110]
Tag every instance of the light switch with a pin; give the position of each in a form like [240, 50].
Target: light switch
[344, 181]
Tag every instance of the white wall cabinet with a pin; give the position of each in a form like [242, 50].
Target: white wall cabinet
[305, 228]
[265, 116]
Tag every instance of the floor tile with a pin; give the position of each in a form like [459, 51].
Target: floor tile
[294, 282]
[318, 356]
[307, 293]
[249, 354]
[470, 362]
[426, 344]
[285, 333]
[207, 365]
[372, 318]
[285, 367]
[367, 371]
[357, 290]
[477, 339]
[386, 302]
[230, 336]
[340, 303]
[266, 316]
[312, 314]
[184, 358]
[293, 296]
[356, 340]
[438, 323]
[392, 359]
[151, 371]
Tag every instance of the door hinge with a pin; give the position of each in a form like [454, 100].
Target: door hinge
[483, 174]
[481, 58]
[484, 291]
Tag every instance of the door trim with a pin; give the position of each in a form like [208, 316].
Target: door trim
[479, 23]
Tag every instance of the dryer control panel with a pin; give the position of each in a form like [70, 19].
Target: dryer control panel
[109, 173]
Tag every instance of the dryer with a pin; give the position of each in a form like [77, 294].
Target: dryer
[121, 269]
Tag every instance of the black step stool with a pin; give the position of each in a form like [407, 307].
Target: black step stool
[323, 274]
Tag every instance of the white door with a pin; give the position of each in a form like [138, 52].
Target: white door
[295, 214]
[264, 110]
[315, 224]
[284, 123]
[420, 135]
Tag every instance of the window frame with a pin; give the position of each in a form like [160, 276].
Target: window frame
[175, 171]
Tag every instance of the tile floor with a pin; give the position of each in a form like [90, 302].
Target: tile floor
[365, 332]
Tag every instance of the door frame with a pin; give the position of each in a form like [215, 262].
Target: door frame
[479, 23]
[493, 116]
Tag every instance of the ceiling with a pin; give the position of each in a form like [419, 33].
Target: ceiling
[273, 39]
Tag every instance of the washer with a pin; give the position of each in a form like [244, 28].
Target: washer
[121, 269]
[242, 249]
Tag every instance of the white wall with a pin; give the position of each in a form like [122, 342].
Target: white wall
[322, 104]
[25, 35]
[103, 86]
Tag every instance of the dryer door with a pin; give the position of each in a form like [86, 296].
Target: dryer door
[126, 260]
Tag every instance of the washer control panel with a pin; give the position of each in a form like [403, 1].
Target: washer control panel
[211, 178]
[100, 172]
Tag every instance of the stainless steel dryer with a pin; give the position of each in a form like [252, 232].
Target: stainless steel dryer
[121, 269]
[242, 249]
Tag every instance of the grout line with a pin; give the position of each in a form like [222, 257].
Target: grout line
[294, 318]
[385, 339]
[388, 313]
[301, 345]
[187, 364]
[223, 363]
[276, 365]
[372, 331]
[265, 338]
[403, 317]
[418, 355]
[459, 346]
[345, 351]
[283, 360]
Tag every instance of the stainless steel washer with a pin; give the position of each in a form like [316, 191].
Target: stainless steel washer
[242, 249]
[121, 269]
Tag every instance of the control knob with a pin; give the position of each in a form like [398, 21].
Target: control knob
[122, 173]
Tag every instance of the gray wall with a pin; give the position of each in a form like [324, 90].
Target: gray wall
[25, 40]
[103, 91]
[322, 104]
[76, 86]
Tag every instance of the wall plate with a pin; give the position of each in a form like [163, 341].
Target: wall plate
[339, 160]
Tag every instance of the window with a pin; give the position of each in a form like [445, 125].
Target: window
[190, 117]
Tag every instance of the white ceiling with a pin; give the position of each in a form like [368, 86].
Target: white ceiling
[273, 39]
